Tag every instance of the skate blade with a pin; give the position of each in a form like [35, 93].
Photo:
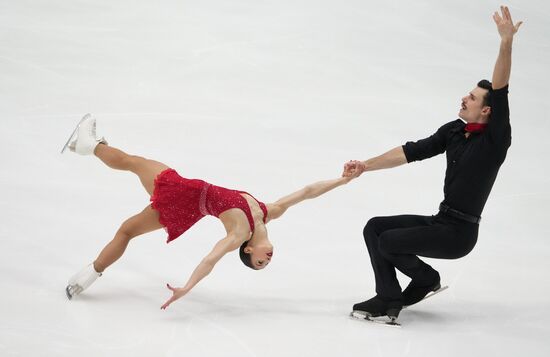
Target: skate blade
[429, 295]
[382, 320]
[74, 132]
[69, 292]
[435, 292]
[72, 290]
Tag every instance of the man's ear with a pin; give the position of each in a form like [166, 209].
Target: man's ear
[486, 110]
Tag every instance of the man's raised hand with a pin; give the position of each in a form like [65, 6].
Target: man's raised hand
[505, 25]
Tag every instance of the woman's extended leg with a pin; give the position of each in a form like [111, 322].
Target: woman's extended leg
[146, 221]
[141, 223]
[147, 170]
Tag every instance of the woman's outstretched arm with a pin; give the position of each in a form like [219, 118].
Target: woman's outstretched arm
[276, 209]
[226, 245]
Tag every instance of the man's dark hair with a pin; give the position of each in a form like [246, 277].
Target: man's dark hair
[245, 257]
[485, 84]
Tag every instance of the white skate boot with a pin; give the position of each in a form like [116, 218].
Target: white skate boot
[81, 281]
[83, 139]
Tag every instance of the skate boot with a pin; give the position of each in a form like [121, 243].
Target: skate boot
[416, 292]
[83, 140]
[81, 281]
[378, 306]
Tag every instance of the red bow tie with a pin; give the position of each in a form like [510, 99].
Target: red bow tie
[475, 127]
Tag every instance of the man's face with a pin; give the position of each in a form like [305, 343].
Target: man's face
[472, 109]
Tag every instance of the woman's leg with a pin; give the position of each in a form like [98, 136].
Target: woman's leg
[147, 170]
[141, 223]
[144, 222]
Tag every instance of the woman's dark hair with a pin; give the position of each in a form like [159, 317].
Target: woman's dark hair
[485, 84]
[245, 257]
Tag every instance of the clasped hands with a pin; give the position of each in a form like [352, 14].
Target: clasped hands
[353, 169]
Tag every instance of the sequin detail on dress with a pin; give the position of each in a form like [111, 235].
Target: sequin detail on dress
[183, 202]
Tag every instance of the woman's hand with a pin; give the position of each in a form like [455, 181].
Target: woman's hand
[177, 293]
[353, 169]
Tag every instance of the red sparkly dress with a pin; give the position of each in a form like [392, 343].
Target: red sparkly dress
[182, 202]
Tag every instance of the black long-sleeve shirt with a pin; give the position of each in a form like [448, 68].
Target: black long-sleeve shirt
[473, 162]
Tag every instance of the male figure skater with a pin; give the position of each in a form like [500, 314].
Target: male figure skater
[475, 150]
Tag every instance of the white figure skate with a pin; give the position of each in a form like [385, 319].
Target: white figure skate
[81, 281]
[83, 139]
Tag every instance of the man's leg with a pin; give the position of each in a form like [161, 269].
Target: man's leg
[387, 285]
[400, 248]
[388, 300]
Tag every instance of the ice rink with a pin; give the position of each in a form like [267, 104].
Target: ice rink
[262, 96]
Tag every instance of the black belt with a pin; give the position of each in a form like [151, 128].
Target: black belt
[457, 214]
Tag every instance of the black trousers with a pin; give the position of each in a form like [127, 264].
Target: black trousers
[396, 242]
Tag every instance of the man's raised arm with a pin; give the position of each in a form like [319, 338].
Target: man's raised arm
[506, 30]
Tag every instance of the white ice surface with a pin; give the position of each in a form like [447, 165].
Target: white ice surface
[264, 96]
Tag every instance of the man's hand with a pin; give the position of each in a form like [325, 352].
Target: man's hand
[505, 25]
[353, 168]
[177, 293]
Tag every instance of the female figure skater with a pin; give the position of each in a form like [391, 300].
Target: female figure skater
[177, 204]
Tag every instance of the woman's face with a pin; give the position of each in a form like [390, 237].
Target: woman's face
[260, 255]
